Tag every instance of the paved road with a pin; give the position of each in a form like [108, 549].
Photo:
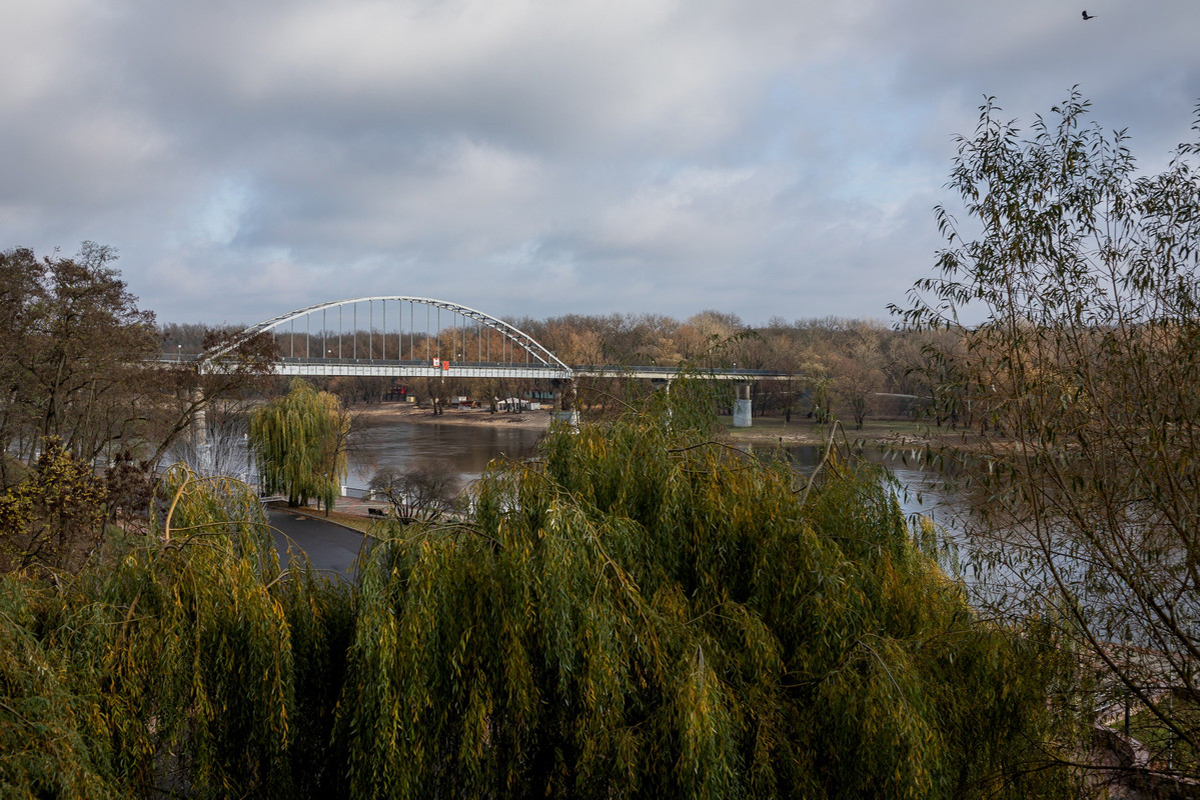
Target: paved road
[329, 547]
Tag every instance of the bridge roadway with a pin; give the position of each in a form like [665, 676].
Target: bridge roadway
[366, 367]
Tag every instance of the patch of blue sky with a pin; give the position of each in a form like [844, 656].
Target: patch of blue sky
[222, 212]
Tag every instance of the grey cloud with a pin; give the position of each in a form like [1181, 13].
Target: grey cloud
[762, 157]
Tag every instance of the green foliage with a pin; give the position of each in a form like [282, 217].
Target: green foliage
[52, 742]
[174, 668]
[300, 443]
[55, 517]
[644, 612]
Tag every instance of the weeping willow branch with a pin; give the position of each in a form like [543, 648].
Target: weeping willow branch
[820, 466]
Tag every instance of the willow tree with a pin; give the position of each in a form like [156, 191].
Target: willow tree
[1083, 272]
[300, 444]
[643, 612]
[186, 664]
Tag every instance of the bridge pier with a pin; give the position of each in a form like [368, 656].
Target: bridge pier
[664, 384]
[564, 402]
[742, 408]
[199, 432]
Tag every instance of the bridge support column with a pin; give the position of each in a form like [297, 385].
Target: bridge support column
[665, 385]
[203, 463]
[564, 402]
[742, 407]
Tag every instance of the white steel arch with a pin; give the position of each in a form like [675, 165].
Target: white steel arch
[511, 332]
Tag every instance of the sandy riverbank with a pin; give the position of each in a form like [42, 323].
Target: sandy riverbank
[396, 412]
[802, 431]
[898, 434]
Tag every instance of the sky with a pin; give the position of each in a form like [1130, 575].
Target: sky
[536, 158]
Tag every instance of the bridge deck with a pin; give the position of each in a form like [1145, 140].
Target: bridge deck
[331, 367]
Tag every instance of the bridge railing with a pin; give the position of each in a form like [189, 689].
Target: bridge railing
[466, 369]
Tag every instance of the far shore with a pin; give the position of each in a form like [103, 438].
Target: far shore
[893, 433]
[898, 434]
[404, 412]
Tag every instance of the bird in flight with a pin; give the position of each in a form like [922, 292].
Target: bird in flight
[1087, 16]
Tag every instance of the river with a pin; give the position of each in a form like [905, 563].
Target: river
[377, 444]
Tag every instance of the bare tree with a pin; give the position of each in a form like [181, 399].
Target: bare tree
[425, 490]
[187, 396]
[75, 347]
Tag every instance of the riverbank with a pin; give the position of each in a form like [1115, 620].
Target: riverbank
[773, 430]
[879, 433]
[397, 412]
[895, 434]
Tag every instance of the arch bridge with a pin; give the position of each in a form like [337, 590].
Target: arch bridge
[398, 336]
[414, 337]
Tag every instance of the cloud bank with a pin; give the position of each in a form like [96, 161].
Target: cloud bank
[531, 158]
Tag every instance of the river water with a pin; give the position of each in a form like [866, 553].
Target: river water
[469, 449]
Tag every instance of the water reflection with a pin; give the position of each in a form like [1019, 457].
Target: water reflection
[922, 487]
[468, 448]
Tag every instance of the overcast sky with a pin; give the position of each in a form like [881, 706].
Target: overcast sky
[537, 158]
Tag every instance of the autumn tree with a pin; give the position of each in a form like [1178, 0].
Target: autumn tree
[695, 338]
[299, 443]
[80, 362]
[856, 383]
[213, 393]
[857, 370]
[1083, 275]
[55, 517]
[74, 346]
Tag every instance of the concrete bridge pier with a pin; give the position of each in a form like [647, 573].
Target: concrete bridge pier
[199, 432]
[564, 402]
[665, 385]
[742, 406]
